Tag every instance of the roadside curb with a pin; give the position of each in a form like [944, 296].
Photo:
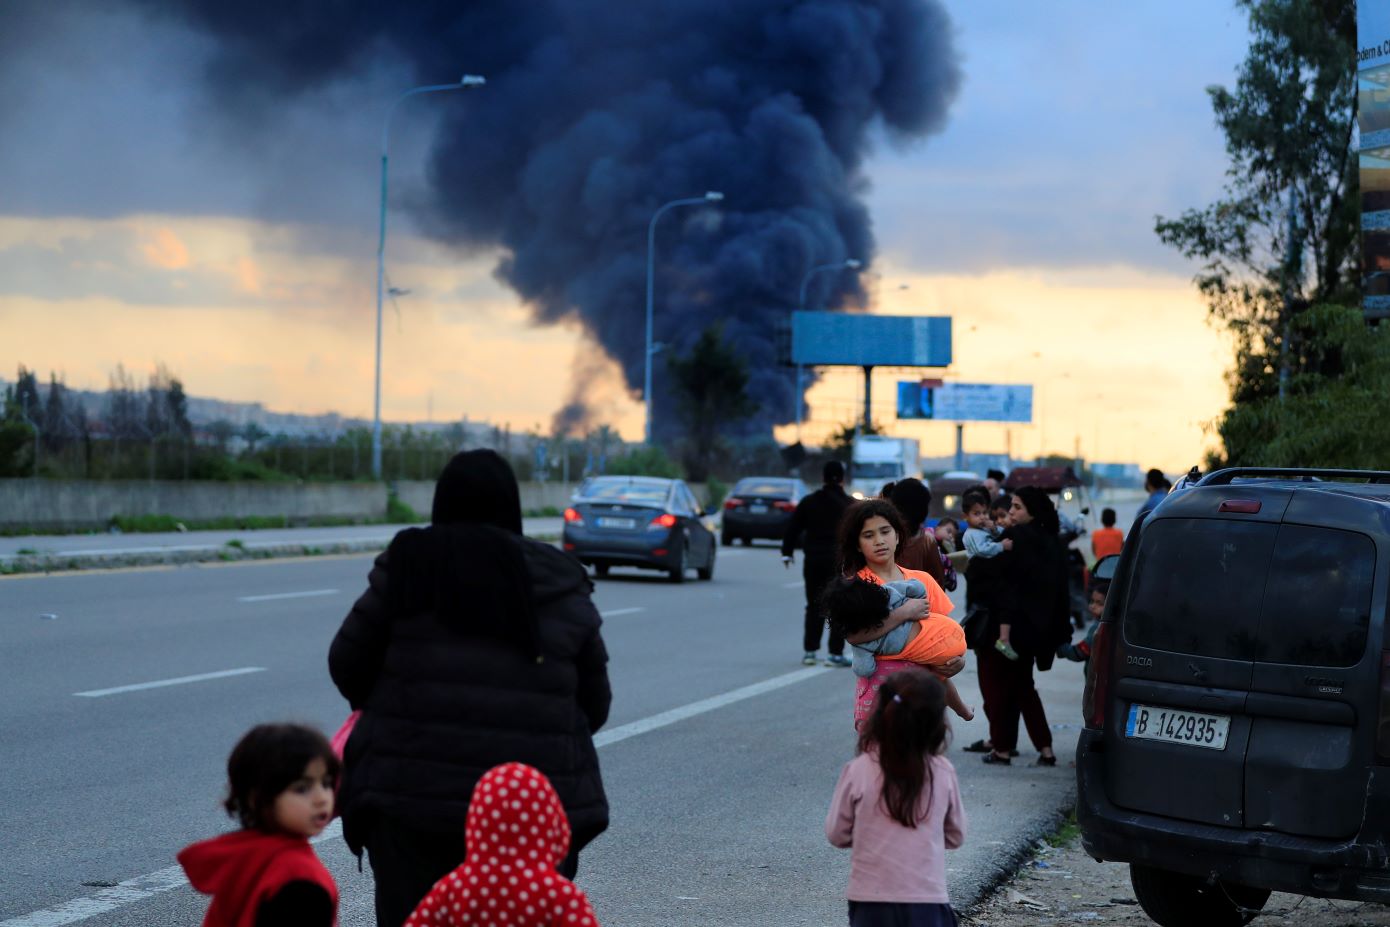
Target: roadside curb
[1014, 852]
[225, 553]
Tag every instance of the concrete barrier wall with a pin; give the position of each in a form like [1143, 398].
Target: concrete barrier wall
[84, 504]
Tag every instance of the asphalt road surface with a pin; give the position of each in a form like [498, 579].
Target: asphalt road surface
[719, 758]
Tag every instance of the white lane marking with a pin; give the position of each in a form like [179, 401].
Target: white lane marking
[165, 880]
[287, 595]
[622, 611]
[623, 732]
[161, 683]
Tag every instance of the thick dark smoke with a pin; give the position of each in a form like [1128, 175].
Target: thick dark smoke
[598, 111]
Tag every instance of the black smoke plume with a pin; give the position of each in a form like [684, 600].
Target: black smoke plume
[598, 111]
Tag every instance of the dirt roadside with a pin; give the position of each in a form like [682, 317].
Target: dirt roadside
[1062, 885]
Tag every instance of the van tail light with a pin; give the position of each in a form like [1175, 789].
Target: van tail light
[664, 521]
[572, 517]
[1240, 506]
[782, 505]
[1098, 671]
[1383, 728]
[733, 502]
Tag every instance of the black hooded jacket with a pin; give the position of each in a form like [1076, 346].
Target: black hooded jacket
[473, 646]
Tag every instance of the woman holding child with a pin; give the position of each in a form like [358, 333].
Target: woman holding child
[871, 534]
[1030, 597]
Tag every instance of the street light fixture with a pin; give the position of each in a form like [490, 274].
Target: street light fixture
[466, 82]
[848, 264]
[713, 196]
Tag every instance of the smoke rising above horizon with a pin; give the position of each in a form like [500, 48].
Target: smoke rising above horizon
[595, 114]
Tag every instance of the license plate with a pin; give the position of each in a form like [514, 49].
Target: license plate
[1177, 726]
[758, 509]
[607, 522]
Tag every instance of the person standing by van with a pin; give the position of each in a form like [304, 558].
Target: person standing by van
[815, 523]
[1157, 486]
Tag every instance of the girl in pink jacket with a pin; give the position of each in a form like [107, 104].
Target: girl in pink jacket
[897, 808]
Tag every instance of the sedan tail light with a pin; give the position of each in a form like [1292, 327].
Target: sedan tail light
[732, 502]
[782, 505]
[572, 517]
[664, 521]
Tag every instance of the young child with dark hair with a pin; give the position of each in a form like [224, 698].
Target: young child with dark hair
[1108, 539]
[516, 834]
[984, 541]
[853, 605]
[1080, 651]
[280, 787]
[897, 807]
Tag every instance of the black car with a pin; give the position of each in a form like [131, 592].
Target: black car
[760, 507]
[639, 521]
[1237, 705]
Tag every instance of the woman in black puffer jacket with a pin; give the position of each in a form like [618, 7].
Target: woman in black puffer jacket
[472, 646]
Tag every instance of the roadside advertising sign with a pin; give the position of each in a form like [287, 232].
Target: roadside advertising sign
[965, 402]
[836, 339]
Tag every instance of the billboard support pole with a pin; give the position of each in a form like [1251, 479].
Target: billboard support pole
[960, 446]
[868, 396]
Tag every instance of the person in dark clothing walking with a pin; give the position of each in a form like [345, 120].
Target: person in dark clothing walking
[473, 646]
[815, 523]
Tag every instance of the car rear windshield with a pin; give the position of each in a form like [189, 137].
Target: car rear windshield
[763, 488]
[635, 493]
[1255, 591]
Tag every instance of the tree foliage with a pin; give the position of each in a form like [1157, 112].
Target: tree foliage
[710, 386]
[1331, 415]
[1288, 127]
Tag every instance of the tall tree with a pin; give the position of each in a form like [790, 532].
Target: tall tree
[57, 424]
[710, 387]
[1288, 126]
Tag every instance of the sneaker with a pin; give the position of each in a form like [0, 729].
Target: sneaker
[810, 658]
[1008, 651]
[838, 659]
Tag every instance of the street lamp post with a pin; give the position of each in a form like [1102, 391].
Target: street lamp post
[465, 82]
[848, 264]
[712, 196]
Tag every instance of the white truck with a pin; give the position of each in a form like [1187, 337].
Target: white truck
[877, 459]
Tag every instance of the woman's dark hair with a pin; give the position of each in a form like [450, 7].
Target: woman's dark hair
[1040, 506]
[268, 759]
[852, 522]
[907, 726]
[478, 486]
[912, 498]
[853, 605]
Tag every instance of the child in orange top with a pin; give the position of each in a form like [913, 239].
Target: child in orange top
[860, 604]
[516, 834]
[1108, 539]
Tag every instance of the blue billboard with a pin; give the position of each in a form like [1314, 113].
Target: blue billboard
[836, 339]
[965, 402]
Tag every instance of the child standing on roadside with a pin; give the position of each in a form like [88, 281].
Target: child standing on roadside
[897, 808]
[281, 779]
[517, 833]
[1108, 539]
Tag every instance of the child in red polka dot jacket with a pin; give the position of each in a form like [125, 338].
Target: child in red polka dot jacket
[516, 833]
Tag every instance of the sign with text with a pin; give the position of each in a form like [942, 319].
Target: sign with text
[839, 340]
[965, 402]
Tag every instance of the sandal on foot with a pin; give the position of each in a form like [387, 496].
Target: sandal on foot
[980, 746]
[995, 759]
[1047, 760]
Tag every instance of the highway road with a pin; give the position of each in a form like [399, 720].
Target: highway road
[121, 693]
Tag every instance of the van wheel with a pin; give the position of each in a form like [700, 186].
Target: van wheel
[600, 569]
[707, 572]
[1172, 899]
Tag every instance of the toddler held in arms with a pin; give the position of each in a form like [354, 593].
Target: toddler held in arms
[854, 605]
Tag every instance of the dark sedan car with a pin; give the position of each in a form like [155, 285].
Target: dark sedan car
[760, 507]
[639, 521]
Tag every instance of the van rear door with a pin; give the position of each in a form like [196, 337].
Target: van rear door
[1313, 691]
[1177, 729]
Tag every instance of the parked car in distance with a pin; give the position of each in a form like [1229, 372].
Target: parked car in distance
[1237, 704]
[760, 507]
[639, 521]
